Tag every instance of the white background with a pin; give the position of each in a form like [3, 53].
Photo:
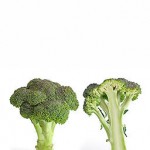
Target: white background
[74, 42]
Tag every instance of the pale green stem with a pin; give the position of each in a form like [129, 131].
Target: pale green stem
[102, 120]
[38, 130]
[126, 103]
[116, 136]
[45, 132]
[104, 106]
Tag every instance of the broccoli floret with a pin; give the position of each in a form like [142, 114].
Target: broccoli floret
[70, 99]
[46, 104]
[109, 102]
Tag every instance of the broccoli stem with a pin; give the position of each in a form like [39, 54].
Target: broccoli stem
[103, 121]
[45, 132]
[117, 135]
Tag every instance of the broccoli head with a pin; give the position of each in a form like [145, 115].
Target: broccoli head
[46, 104]
[109, 102]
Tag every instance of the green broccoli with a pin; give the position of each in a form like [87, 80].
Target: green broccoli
[46, 104]
[109, 102]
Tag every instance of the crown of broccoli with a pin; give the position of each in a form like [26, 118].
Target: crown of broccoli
[45, 100]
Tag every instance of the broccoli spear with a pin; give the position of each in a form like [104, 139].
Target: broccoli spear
[46, 104]
[109, 102]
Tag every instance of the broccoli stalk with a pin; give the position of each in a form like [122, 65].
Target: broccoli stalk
[109, 102]
[46, 104]
[45, 132]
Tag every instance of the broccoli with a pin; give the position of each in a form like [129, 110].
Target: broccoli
[109, 102]
[46, 104]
